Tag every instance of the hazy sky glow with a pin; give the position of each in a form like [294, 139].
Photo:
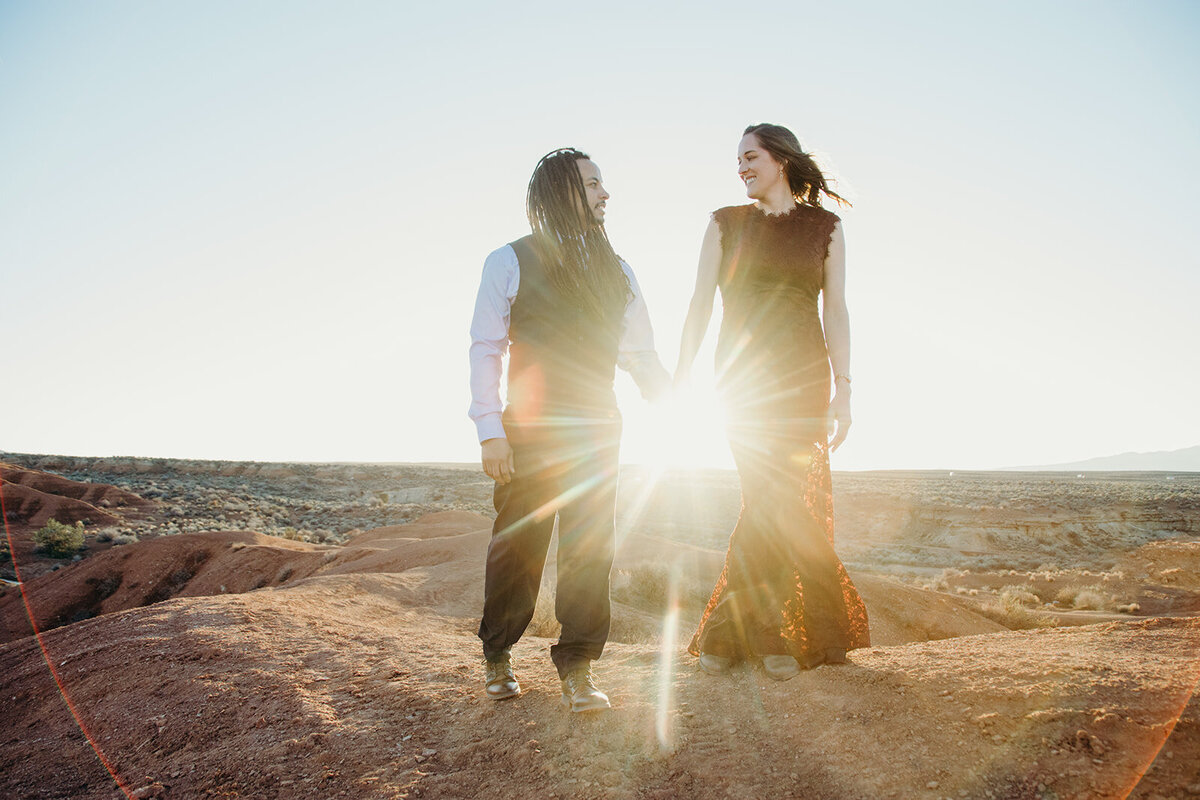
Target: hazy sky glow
[255, 231]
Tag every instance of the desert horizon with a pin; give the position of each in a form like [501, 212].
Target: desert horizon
[1179, 460]
[291, 630]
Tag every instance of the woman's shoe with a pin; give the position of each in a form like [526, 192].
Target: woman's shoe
[715, 665]
[780, 668]
[813, 659]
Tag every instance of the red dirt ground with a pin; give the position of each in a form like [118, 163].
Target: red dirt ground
[353, 672]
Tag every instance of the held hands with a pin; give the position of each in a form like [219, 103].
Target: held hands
[659, 388]
[498, 460]
[837, 418]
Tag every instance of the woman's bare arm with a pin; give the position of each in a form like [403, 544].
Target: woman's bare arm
[836, 318]
[700, 311]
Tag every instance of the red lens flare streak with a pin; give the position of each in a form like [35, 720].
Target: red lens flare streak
[37, 634]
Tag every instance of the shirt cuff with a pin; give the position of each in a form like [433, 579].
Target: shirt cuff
[489, 426]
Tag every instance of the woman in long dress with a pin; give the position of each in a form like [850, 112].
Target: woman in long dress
[783, 596]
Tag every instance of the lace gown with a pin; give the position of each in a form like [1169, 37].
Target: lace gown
[783, 589]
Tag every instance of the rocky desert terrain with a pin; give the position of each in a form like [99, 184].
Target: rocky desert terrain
[307, 630]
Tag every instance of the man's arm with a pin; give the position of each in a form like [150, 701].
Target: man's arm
[636, 354]
[489, 343]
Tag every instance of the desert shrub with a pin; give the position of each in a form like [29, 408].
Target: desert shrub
[1129, 608]
[942, 582]
[633, 628]
[544, 622]
[1090, 598]
[1170, 575]
[1015, 616]
[124, 538]
[645, 586]
[648, 587]
[291, 534]
[1011, 610]
[59, 540]
[1066, 595]
[1084, 598]
[1044, 594]
[1017, 596]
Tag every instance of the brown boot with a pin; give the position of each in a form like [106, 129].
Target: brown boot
[501, 682]
[579, 692]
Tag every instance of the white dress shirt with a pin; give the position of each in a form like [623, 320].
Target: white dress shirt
[489, 341]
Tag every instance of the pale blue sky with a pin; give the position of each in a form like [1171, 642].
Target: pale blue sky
[255, 231]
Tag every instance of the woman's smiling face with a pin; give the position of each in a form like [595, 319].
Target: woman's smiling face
[757, 168]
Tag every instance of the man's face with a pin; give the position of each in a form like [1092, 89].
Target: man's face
[593, 187]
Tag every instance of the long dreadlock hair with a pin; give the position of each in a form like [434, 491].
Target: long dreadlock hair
[579, 259]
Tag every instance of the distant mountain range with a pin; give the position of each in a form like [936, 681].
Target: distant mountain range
[1185, 460]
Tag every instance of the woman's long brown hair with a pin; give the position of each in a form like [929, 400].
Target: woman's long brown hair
[805, 178]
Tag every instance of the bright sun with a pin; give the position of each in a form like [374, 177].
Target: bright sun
[684, 430]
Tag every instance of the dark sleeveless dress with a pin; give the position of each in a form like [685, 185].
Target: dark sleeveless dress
[783, 589]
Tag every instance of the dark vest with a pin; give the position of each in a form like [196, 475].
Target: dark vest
[561, 358]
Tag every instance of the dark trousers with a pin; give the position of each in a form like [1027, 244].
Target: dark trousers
[566, 466]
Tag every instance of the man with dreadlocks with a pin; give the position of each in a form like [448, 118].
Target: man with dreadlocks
[567, 310]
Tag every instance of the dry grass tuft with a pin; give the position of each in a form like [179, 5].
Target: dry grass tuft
[1016, 618]
[1014, 595]
[1013, 612]
[1084, 598]
[544, 623]
[647, 587]
[1091, 599]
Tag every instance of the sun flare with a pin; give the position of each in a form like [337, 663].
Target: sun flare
[686, 430]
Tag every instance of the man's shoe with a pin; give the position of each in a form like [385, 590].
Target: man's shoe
[780, 668]
[579, 692]
[715, 665]
[501, 683]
